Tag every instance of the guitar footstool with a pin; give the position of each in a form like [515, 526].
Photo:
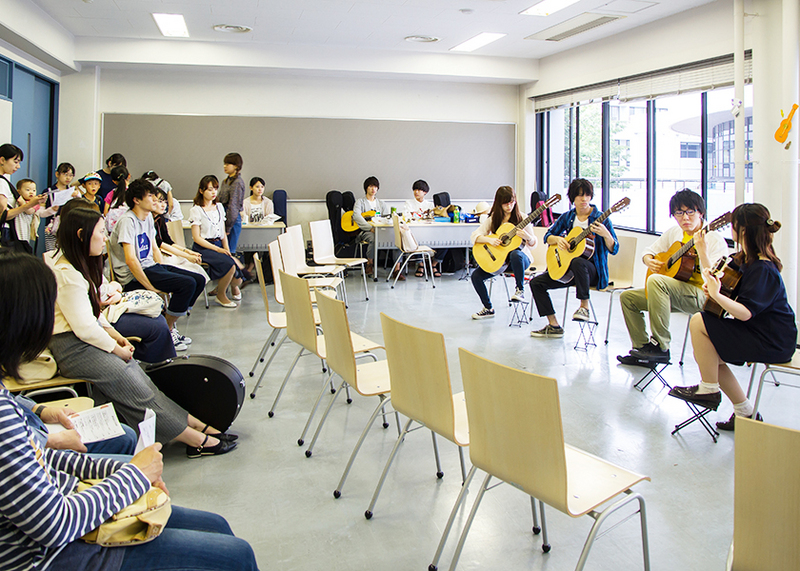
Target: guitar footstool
[586, 335]
[520, 313]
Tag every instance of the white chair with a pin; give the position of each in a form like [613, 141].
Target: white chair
[790, 368]
[324, 250]
[290, 258]
[408, 252]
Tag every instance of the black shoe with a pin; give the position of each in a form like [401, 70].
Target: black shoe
[629, 359]
[222, 448]
[729, 424]
[689, 394]
[225, 436]
[651, 352]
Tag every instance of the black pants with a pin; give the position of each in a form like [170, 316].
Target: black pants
[185, 286]
[585, 276]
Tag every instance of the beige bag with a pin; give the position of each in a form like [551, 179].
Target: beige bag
[410, 243]
[41, 368]
[140, 522]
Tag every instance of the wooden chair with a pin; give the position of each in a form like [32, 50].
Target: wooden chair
[276, 263]
[78, 404]
[324, 250]
[290, 257]
[766, 497]
[421, 390]
[422, 252]
[790, 368]
[620, 272]
[43, 387]
[296, 234]
[341, 349]
[516, 435]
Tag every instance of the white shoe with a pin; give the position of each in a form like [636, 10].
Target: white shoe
[229, 305]
[519, 295]
[483, 314]
[582, 314]
[236, 297]
[183, 338]
[176, 341]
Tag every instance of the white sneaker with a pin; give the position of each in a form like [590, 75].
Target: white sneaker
[184, 339]
[176, 341]
[483, 314]
[582, 314]
[519, 295]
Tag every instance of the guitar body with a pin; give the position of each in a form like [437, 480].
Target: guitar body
[492, 259]
[681, 269]
[729, 274]
[349, 225]
[558, 260]
[785, 126]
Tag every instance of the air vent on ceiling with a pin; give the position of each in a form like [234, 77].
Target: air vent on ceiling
[573, 27]
[232, 29]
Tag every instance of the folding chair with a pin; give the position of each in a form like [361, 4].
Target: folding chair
[790, 368]
[409, 251]
[324, 250]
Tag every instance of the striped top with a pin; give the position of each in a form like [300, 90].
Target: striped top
[39, 513]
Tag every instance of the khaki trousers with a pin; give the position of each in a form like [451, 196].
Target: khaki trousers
[664, 296]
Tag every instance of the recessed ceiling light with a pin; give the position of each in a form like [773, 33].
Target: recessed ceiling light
[171, 25]
[478, 41]
[547, 7]
[467, 11]
[422, 39]
[232, 29]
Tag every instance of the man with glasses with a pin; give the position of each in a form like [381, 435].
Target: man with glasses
[665, 294]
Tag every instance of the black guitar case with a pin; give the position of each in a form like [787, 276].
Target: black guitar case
[209, 388]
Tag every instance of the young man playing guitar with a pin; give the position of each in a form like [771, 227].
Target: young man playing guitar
[369, 203]
[665, 294]
[586, 272]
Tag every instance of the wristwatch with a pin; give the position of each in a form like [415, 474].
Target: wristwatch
[37, 410]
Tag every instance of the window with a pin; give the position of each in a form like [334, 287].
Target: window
[690, 151]
[628, 162]
[590, 142]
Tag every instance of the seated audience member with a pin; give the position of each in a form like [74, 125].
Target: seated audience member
[116, 204]
[85, 346]
[762, 329]
[417, 208]
[256, 209]
[369, 203]
[505, 209]
[586, 273]
[42, 516]
[137, 260]
[665, 294]
[173, 205]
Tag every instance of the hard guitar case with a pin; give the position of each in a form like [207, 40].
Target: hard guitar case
[209, 388]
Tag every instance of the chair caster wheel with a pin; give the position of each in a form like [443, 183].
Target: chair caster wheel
[386, 425]
[368, 514]
[546, 548]
[300, 441]
[333, 391]
[270, 414]
[349, 401]
[374, 279]
[308, 453]
[324, 370]
[440, 475]
[432, 567]
[251, 373]
[537, 530]
[337, 494]
[252, 395]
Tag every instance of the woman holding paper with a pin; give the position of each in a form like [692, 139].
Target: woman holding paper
[85, 345]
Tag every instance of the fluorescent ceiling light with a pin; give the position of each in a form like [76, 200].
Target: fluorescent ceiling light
[171, 25]
[478, 41]
[547, 7]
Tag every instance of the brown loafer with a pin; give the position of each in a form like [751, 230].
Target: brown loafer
[689, 394]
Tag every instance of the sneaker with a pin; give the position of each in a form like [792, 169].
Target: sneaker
[582, 314]
[630, 359]
[176, 341]
[483, 314]
[519, 295]
[184, 339]
[689, 394]
[549, 331]
[651, 352]
[730, 423]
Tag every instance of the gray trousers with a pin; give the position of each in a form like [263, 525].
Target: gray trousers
[124, 384]
[664, 295]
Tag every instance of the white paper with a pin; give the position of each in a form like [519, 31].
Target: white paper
[270, 219]
[61, 197]
[93, 425]
[147, 431]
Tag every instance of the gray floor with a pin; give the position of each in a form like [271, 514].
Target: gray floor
[282, 503]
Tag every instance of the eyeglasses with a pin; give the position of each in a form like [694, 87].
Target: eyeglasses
[680, 213]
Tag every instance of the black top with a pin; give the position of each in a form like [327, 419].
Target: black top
[162, 232]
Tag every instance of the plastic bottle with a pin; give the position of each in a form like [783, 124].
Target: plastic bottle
[457, 215]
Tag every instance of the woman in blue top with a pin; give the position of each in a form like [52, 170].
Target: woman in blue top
[763, 328]
[587, 273]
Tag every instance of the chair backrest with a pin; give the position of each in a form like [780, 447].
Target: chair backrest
[321, 240]
[338, 342]
[279, 205]
[539, 252]
[276, 263]
[515, 427]
[262, 283]
[441, 199]
[398, 238]
[295, 232]
[300, 325]
[288, 253]
[420, 375]
[175, 229]
[621, 266]
[766, 500]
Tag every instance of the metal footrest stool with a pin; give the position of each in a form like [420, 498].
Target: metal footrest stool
[519, 313]
[698, 414]
[585, 335]
[653, 373]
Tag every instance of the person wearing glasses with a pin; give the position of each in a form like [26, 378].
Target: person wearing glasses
[664, 294]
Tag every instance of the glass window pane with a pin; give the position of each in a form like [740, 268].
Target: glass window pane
[629, 162]
[590, 146]
[678, 162]
[558, 152]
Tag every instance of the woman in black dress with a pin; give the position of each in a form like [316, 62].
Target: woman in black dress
[763, 327]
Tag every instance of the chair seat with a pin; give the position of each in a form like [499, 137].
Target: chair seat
[618, 285]
[461, 425]
[372, 378]
[349, 262]
[591, 481]
[15, 386]
[332, 269]
[277, 320]
[78, 404]
[324, 282]
[360, 344]
[419, 250]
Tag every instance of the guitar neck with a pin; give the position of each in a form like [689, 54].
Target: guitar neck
[582, 236]
[527, 220]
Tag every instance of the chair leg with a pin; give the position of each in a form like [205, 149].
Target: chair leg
[610, 308]
[266, 367]
[468, 524]
[461, 459]
[271, 412]
[685, 341]
[301, 440]
[439, 473]
[370, 509]
[384, 401]
[205, 297]
[459, 500]
[260, 358]
[364, 277]
[322, 420]
[566, 300]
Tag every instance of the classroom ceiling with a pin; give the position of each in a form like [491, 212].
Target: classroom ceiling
[360, 24]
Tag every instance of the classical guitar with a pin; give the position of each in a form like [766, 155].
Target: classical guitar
[492, 259]
[729, 272]
[785, 126]
[680, 259]
[348, 225]
[581, 243]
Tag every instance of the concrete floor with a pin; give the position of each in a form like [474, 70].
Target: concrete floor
[282, 503]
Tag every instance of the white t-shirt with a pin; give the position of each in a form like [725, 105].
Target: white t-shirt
[413, 207]
[212, 223]
[140, 233]
[5, 189]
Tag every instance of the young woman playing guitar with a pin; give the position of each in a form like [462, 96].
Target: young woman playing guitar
[763, 327]
[505, 209]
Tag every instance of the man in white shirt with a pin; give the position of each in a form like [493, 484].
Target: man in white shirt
[137, 260]
[665, 294]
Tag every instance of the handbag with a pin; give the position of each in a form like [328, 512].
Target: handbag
[143, 302]
[410, 243]
[140, 522]
[41, 368]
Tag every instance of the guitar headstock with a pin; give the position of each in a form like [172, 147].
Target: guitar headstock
[720, 222]
[552, 201]
[621, 205]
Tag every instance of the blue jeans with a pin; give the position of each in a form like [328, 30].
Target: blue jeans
[192, 541]
[120, 445]
[233, 234]
[156, 344]
[518, 262]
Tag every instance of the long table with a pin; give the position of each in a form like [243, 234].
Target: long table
[432, 234]
[254, 237]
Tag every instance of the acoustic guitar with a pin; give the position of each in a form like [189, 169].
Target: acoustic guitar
[681, 259]
[729, 272]
[785, 126]
[492, 259]
[581, 243]
[348, 225]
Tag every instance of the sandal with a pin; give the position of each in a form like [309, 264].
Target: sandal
[420, 272]
[436, 272]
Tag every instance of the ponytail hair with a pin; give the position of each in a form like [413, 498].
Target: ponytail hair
[754, 228]
[119, 175]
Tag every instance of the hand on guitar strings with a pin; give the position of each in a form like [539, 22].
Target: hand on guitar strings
[711, 284]
[654, 264]
[600, 229]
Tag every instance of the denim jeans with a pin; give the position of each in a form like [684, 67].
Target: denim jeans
[156, 340]
[233, 234]
[518, 262]
[120, 445]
